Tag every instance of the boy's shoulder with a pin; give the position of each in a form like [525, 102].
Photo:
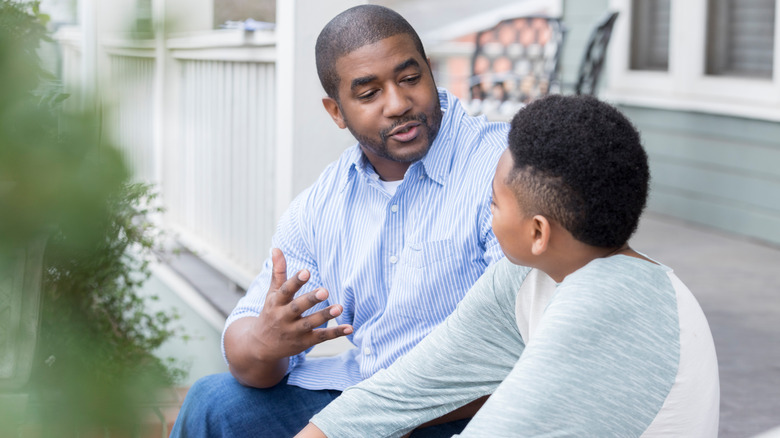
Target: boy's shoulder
[620, 285]
[507, 279]
[620, 270]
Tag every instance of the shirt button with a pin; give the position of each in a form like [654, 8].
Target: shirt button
[367, 351]
[393, 259]
[394, 208]
[421, 177]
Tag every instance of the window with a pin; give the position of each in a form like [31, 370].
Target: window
[240, 10]
[713, 56]
[650, 35]
[740, 38]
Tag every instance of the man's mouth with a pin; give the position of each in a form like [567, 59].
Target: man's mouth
[406, 132]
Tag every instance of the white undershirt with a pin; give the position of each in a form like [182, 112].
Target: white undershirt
[390, 186]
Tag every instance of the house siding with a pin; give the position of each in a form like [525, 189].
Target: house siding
[714, 170]
[579, 17]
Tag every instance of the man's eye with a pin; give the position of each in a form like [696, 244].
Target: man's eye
[411, 79]
[367, 95]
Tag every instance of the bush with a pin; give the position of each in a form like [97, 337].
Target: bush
[59, 179]
[96, 338]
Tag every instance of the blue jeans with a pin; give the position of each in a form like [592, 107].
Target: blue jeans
[219, 406]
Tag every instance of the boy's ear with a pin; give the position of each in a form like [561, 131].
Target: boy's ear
[333, 109]
[541, 237]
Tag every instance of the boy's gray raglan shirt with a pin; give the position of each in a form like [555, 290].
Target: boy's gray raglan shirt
[622, 349]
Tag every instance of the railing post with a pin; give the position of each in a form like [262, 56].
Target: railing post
[89, 55]
[306, 138]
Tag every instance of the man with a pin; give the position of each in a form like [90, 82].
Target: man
[387, 241]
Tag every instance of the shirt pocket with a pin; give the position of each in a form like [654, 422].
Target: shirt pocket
[423, 293]
[427, 254]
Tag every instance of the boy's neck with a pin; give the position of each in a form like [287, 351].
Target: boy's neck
[569, 255]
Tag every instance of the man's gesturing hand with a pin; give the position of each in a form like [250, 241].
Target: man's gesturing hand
[280, 328]
[258, 348]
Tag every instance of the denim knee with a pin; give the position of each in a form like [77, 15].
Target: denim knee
[215, 392]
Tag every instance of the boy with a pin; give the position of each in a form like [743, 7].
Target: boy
[619, 348]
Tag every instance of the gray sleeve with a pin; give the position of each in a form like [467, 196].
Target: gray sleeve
[466, 357]
[601, 362]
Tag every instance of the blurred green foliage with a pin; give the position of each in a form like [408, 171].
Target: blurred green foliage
[94, 366]
[96, 335]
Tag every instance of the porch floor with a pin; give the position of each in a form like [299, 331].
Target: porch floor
[737, 283]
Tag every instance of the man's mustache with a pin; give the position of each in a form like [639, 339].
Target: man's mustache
[385, 133]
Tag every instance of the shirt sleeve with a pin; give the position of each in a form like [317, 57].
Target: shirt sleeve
[290, 239]
[464, 358]
[601, 363]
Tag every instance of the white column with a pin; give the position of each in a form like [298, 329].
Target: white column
[160, 70]
[306, 137]
[89, 33]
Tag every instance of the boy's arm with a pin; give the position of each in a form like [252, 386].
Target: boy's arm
[465, 358]
[601, 363]
[311, 431]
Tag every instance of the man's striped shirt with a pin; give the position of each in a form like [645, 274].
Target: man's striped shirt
[397, 262]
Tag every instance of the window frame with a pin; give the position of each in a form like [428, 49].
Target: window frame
[685, 85]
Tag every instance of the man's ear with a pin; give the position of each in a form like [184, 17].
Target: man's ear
[541, 237]
[333, 108]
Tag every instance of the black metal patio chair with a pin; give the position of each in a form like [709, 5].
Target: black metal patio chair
[515, 62]
[594, 55]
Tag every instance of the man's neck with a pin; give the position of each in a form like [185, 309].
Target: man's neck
[387, 170]
[394, 173]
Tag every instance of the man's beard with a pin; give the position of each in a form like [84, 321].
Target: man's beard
[430, 131]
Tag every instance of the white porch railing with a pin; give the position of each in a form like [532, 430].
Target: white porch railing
[228, 124]
[221, 181]
[215, 113]
[130, 121]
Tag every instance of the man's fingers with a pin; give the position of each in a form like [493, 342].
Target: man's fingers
[326, 334]
[280, 282]
[279, 271]
[319, 318]
[306, 301]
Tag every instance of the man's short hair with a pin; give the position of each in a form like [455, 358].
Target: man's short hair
[353, 29]
[580, 162]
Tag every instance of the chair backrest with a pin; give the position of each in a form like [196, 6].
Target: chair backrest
[595, 52]
[517, 59]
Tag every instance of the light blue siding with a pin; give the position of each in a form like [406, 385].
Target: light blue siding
[579, 17]
[715, 170]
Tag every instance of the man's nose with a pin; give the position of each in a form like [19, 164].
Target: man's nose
[397, 102]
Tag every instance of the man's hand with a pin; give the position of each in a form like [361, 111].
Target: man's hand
[258, 348]
[280, 330]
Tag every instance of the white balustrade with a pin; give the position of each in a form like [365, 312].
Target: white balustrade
[129, 119]
[215, 163]
[221, 179]
[198, 115]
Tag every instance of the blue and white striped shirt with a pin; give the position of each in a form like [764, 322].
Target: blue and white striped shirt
[398, 263]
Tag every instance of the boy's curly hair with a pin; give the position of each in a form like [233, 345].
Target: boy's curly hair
[579, 161]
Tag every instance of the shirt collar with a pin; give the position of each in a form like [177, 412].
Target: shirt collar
[436, 163]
